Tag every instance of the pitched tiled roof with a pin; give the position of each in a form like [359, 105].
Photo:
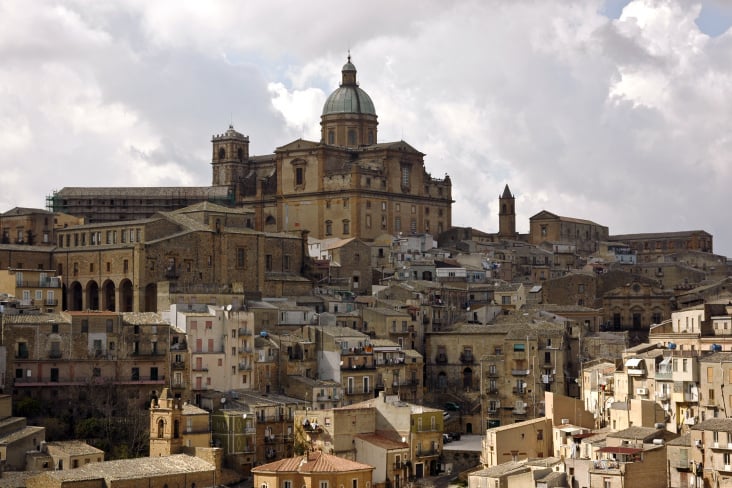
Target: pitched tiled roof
[313, 462]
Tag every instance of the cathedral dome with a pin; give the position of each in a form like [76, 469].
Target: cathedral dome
[349, 98]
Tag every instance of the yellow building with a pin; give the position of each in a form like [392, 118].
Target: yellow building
[34, 288]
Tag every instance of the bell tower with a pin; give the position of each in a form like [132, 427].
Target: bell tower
[230, 157]
[166, 425]
[506, 214]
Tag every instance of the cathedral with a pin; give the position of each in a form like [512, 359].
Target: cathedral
[348, 184]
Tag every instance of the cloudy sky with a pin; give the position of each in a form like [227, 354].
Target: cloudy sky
[610, 110]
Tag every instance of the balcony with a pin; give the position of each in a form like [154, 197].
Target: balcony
[312, 429]
[47, 283]
[199, 368]
[709, 402]
[352, 366]
[328, 398]
[145, 353]
[722, 446]
[179, 385]
[178, 365]
[245, 350]
[467, 358]
[519, 391]
[50, 302]
[441, 359]
[520, 372]
[243, 331]
[427, 452]
[55, 355]
[492, 374]
[351, 351]
[664, 375]
[519, 411]
[358, 392]
[245, 367]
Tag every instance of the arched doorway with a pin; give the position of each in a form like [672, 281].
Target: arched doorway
[151, 298]
[92, 295]
[467, 378]
[108, 296]
[75, 298]
[125, 296]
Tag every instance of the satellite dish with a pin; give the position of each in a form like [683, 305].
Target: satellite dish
[228, 308]
[223, 400]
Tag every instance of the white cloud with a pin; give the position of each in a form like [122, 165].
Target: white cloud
[621, 121]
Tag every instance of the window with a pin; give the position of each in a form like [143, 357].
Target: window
[405, 176]
[286, 262]
[346, 227]
[351, 137]
[268, 262]
[240, 258]
[299, 176]
[328, 227]
[331, 137]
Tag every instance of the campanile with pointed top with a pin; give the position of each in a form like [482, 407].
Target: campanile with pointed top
[506, 214]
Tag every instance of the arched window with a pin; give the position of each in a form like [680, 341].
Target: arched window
[270, 220]
[176, 429]
[161, 428]
[331, 137]
[222, 153]
[240, 154]
[351, 137]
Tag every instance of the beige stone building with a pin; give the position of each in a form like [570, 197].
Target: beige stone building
[315, 469]
[201, 470]
[117, 266]
[72, 454]
[636, 306]
[584, 234]
[32, 226]
[17, 439]
[632, 457]
[348, 184]
[73, 357]
[710, 452]
[176, 424]
[399, 425]
[649, 246]
[518, 441]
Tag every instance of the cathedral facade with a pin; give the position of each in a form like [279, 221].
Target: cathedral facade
[348, 184]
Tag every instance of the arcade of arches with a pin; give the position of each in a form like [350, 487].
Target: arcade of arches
[109, 296]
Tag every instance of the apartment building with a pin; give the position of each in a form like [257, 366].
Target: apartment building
[41, 289]
[73, 356]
